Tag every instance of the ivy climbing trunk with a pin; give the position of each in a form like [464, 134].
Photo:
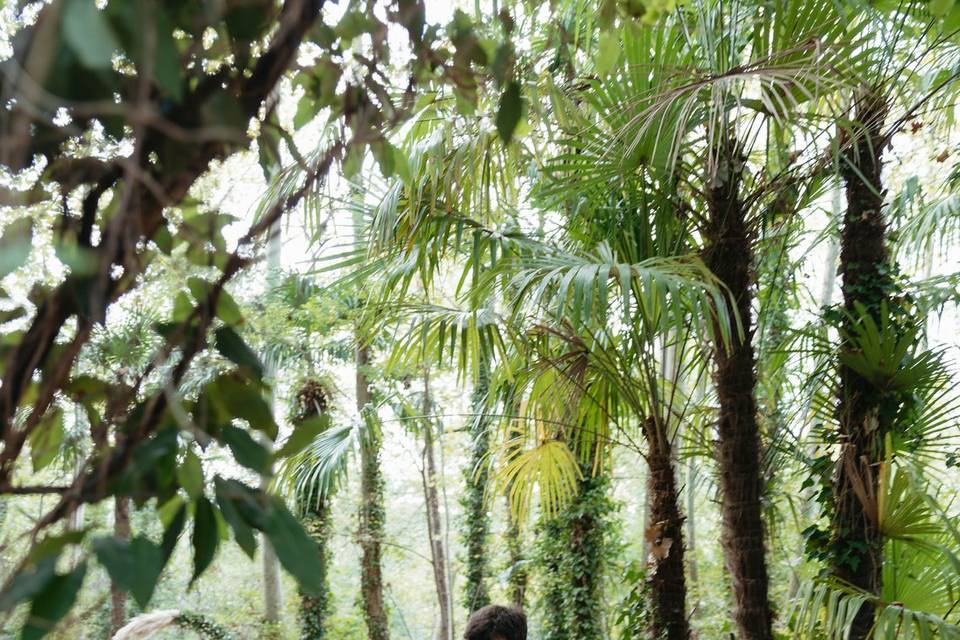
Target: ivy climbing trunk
[865, 280]
[315, 517]
[570, 555]
[728, 254]
[668, 588]
[476, 520]
[550, 553]
[517, 576]
[314, 510]
[438, 552]
[371, 508]
[121, 529]
[585, 557]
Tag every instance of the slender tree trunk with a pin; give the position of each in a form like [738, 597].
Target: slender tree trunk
[866, 280]
[476, 519]
[667, 581]
[315, 609]
[272, 594]
[371, 510]
[518, 576]
[438, 553]
[315, 515]
[728, 255]
[691, 546]
[121, 529]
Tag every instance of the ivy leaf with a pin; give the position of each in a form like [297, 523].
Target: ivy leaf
[205, 537]
[508, 115]
[246, 450]
[53, 602]
[134, 565]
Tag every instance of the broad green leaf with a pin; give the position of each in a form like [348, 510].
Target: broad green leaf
[509, 112]
[134, 565]
[206, 538]
[190, 475]
[246, 450]
[46, 439]
[297, 552]
[303, 434]
[171, 534]
[232, 346]
[87, 31]
[28, 582]
[52, 603]
[239, 399]
[229, 493]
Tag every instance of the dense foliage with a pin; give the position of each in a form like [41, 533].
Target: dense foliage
[638, 314]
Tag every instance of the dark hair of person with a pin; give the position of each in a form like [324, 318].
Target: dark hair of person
[495, 622]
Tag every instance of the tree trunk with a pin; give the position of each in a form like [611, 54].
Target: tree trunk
[121, 529]
[314, 511]
[728, 255]
[518, 574]
[551, 579]
[272, 594]
[371, 510]
[585, 557]
[667, 581]
[315, 609]
[691, 542]
[476, 520]
[866, 280]
[438, 553]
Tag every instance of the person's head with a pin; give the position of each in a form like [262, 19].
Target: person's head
[494, 622]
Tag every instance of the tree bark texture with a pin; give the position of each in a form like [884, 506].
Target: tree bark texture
[728, 254]
[866, 280]
[371, 512]
[666, 577]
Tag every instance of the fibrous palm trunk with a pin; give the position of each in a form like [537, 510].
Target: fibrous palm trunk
[476, 520]
[371, 512]
[728, 255]
[664, 535]
[438, 553]
[864, 269]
